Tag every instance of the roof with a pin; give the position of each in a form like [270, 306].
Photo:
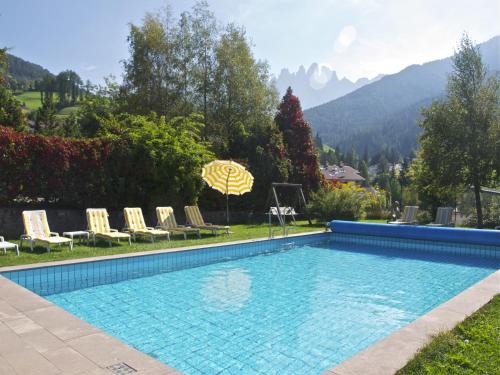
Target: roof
[342, 173]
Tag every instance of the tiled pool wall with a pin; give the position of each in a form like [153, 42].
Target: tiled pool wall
[64, 278]
[453, 248]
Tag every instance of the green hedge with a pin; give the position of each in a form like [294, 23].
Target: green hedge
[151, 162]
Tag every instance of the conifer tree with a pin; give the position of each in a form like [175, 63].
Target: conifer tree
[299, 144]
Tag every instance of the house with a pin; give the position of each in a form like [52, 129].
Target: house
[341, 173]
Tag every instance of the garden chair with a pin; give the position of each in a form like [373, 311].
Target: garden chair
[408, 217]
[8, 245]
[136, 225]
[194, 219]
[443, 217]
[98, 226]
[36, 229]
[166, 220]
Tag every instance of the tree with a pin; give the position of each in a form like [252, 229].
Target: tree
[204, 34]
[318, 143]
[67, 85]
[242, 99]
[3, 65]
[459, 144]
[151, 73]
[45, 116]
[299, 145]
[363, 170]
[11, 114]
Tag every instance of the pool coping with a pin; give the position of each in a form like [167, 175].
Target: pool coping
[393, 352]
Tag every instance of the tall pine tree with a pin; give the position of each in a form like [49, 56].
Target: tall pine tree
[299, 144]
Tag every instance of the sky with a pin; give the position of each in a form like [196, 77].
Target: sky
[356, 38]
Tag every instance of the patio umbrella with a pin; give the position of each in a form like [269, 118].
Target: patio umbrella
[228, 177]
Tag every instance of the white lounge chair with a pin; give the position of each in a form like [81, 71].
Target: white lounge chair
[36, 229]
[408, 217]
[8, 245]
[443, 217]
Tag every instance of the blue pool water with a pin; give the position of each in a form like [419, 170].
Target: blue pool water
[295, 311]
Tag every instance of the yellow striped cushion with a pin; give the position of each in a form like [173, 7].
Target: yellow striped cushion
[36, 224]
[194, 215]
[97, 219]
[166, 217]
[134, 218]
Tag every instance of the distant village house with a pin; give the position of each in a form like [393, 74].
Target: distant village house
[341, 173]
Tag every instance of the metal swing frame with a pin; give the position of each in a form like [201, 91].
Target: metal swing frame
[273, 196]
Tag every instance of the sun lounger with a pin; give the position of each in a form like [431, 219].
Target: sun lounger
[137, 227]
[98, 226]
[408, 217]
[166, 221]
[443, 217]
[8, 245]
[36, 229]
[194, 219]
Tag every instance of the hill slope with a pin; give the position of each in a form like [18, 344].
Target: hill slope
[24, 71]
[385, 113]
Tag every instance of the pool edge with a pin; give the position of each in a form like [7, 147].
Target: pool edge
[392, 353]
[149, 252]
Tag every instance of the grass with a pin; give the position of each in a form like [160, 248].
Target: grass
[65, 112]
[240, 232]
[31, 100]
[471, 348]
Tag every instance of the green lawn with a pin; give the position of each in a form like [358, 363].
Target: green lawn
[65, 112]
[471, 348]
[31, 99]
[241, 232]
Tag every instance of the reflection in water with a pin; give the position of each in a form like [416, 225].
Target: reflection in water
[227, 289]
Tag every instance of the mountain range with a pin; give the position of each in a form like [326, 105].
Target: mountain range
[385, 113]
[317, 85]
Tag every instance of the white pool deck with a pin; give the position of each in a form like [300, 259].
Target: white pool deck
[40, 338]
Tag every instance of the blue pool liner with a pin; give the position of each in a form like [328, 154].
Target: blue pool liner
[417, 232]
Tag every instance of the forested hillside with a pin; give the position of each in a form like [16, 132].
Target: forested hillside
[23, 73]
[384, 114]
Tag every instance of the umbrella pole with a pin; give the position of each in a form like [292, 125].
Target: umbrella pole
[227, 208]
[227, 197]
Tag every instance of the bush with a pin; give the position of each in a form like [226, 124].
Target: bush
[491, 215]
[345, 202]
[152, 161]
[376, 207]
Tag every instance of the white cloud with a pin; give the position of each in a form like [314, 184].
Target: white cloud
[346, 37]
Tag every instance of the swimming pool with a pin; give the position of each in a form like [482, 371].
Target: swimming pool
[290, 306]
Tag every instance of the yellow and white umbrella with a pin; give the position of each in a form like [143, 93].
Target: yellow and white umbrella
[228, 177]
